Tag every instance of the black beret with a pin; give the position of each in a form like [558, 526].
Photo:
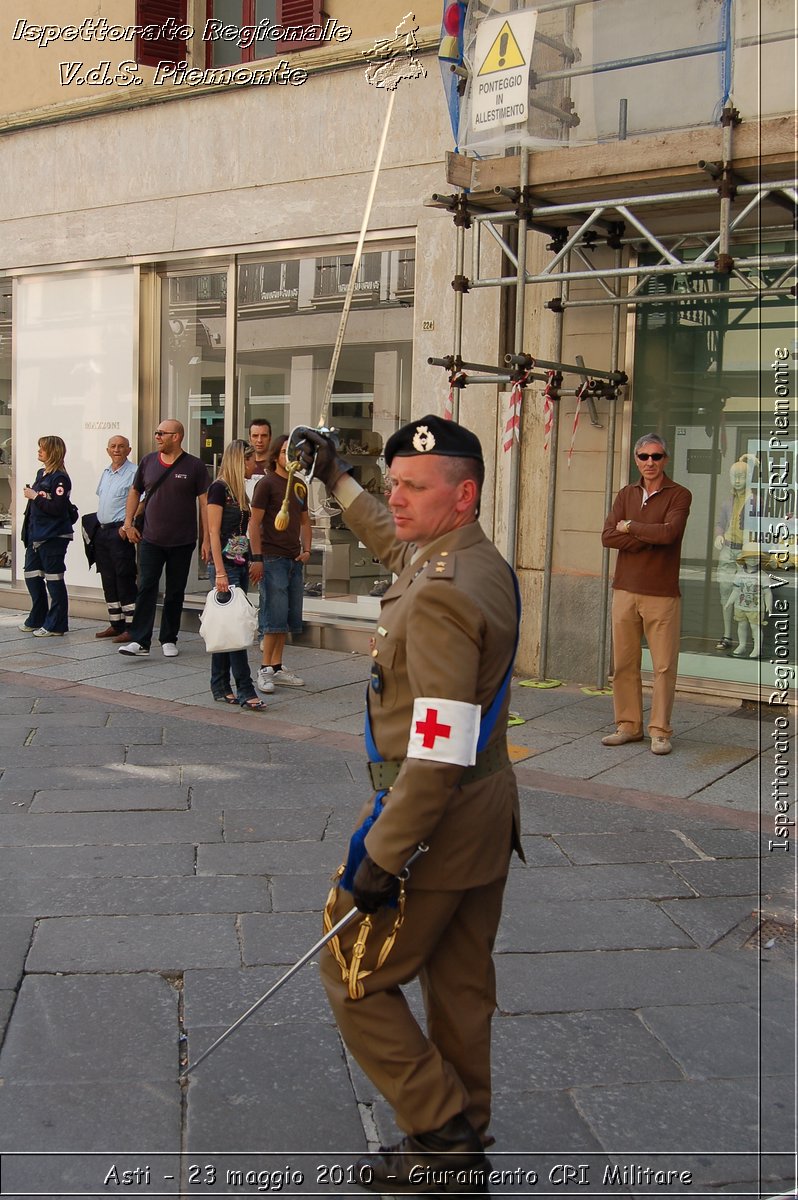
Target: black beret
[433, 435]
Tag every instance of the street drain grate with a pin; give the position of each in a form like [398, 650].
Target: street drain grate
[776, 936]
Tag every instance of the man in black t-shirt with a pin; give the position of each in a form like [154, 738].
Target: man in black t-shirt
[171, 482]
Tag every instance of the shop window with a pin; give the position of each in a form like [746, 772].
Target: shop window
[169, 18]
[705, 380]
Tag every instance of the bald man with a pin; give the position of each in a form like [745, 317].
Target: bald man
[114, 555]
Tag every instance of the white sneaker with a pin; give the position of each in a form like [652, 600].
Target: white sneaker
[46, 633]
[170, 650]
[134, 650]
[285, 678]
[25, 628]
[265, 680]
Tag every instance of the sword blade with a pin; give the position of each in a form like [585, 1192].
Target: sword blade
[306, 957]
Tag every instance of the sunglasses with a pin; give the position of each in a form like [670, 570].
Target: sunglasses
[164, 433]
[653, 457]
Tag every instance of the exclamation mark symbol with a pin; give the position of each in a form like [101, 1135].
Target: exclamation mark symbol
[503, 40]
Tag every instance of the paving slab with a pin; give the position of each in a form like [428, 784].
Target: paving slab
[307, 707]
[70, 718]
[573, 982]
[145, 943]
[256, 1090]
[108, 829]
[80, 1118]
[91, 1028]
[276, 824]
[15, 939]
[725, 877]
[64, 862]
[731, 730]
[586, 758]
[729, 843]
[14, 801]
[40, 758]
[686, 1117]
[217, 997]
[692, 765]
[174, 894]
[81, 736]
[653, 881]
[277, 937]
[587, 925]
[649, 846]
[741, 789]
[709, 918]
[202, 756]
[541, 852]
[118, 799]
[7, 1000]
[268, 858]
[301, 893]
[548, 813]
[15, 778]
[555, 1052]
[712, 1041]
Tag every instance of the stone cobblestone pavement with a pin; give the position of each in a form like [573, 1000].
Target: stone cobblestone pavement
[164, 859]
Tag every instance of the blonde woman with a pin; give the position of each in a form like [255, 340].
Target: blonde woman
[46, 533]
[228, 517]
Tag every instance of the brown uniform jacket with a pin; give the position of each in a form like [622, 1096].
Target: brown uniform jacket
[446, 632]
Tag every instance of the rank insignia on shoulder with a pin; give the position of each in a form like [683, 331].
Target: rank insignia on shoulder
[441, 566]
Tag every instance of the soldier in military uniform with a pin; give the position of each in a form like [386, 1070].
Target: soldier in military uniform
[442, 656]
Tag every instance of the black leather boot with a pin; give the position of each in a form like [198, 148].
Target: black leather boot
[449, 1159]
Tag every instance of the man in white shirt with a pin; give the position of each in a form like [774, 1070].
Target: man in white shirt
[114, 555]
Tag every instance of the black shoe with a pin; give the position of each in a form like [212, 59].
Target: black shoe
[449, 1159]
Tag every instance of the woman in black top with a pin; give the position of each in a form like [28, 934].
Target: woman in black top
[228, 517]
[46, 534]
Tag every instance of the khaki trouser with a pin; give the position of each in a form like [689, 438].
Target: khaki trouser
[447, 941]
[658, 617]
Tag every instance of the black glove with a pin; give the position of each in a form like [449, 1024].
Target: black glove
[329, 468]
[372, 888]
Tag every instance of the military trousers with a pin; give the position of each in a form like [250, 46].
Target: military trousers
[446, 941]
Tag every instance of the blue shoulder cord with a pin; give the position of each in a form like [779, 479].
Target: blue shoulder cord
[357, 843]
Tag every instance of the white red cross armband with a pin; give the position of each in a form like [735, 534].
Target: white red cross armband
[444, 731]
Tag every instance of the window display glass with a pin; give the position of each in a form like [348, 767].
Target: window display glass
[716, 378]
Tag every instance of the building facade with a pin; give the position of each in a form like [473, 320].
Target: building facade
[184, 184]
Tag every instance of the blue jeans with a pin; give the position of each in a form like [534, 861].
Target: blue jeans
[281, 595]
[236, 661]
[45, 565]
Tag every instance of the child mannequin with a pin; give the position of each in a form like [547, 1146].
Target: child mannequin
[729, 540]
[752, 602]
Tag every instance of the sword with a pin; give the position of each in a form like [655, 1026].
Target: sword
[347, 919]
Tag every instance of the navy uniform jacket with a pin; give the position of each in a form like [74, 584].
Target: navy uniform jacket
[48, 515]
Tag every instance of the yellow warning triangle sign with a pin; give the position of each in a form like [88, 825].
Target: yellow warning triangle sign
[504, 54]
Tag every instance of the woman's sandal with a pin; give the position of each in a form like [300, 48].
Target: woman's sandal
[254, 705]
[228, 699]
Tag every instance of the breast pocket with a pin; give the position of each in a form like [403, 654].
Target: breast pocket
[382, 679]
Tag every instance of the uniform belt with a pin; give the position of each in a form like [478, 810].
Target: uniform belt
[112, 525]
[495, 758]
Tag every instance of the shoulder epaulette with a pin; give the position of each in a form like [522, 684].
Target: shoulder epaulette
[441, 566]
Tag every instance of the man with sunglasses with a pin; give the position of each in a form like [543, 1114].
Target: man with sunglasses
[171, 482]
[646, 525]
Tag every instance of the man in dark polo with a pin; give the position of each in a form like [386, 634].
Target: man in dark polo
[114, 554]
[171, 482]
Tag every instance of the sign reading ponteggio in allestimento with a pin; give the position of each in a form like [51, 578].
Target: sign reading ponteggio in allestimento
[500, 85]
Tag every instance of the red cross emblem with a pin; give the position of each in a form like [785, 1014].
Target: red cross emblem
[430, 729]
